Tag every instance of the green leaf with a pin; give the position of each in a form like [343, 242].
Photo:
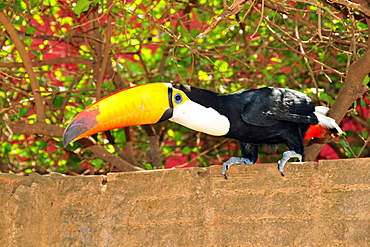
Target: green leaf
[222, 66]
[346, 148]
[363, 103]
[50, 2]
[6, 147]
[28, 171]
[252, 58]
[32, 118]
[37, 54]
[355, 108]
[4, 6]
[42, 145]
[167, 150]
[23, 111]
[30, 30]
[97, 162]
[81, 6]
[74, 159]
[18, 6]
[58, 101]
[186, 150]
[202, 75]
[325, 97]
[119, 135]
[366, 80]
[27, 41]
[148, 166]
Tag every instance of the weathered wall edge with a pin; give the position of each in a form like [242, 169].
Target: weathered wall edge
[325, 203]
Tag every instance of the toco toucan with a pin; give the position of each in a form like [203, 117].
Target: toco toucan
[253, 116]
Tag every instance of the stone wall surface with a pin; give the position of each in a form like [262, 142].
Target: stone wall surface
[315, 204]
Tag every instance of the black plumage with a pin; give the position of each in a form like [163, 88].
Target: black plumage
[261, 116]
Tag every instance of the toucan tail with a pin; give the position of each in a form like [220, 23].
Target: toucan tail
[325, 127]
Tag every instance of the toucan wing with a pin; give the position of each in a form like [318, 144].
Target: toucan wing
[267, 106]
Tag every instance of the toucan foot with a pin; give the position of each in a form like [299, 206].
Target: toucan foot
[234, 161]
[286, 156]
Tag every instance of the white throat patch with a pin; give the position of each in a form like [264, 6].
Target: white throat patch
[200, 118]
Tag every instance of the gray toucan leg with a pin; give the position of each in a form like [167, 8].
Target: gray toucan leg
[286, 156]
[249, 153]
[234, 161]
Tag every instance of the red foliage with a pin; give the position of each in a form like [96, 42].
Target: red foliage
[327, 153]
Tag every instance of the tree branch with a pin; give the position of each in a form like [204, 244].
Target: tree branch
[40, 113]
[360, 5]
[234, 8]
[120, 164]
[39, 128]
[54, 61]
[104, 62]
[351, 90]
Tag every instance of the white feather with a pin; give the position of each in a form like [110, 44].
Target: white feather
[200, 118]
[322, 110]
[327, 122]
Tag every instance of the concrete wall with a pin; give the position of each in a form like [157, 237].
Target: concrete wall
[315, 204]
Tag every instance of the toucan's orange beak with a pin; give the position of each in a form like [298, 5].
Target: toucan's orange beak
[144, 104]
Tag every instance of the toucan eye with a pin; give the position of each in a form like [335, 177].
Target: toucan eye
[178, 98]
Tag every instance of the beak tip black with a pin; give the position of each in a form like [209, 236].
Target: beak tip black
[67, 137]
[65, 143]
[71, 132]
[77, 127]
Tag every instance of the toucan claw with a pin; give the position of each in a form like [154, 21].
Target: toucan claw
[234, 161]
[286, 156]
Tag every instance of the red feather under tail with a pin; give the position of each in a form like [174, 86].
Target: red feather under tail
[317, 131]
[325, 127]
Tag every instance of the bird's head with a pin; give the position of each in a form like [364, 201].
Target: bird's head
[144, 104]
